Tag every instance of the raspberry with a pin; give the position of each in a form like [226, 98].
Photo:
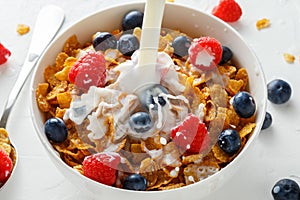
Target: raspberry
[101, 167]
[6, 166]
[205, 53]
[4, 54]
[191, 135]
[89, 71]
[227, 10]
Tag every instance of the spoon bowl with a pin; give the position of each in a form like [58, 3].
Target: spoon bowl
[8, 146]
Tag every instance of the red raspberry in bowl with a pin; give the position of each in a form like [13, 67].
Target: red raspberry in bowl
[89, 71]
[227, 10]
[191, 135]
[101, 167]
[4, 54]
[205, 53]
[6, 166]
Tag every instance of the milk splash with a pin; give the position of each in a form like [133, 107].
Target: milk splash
[118, 101]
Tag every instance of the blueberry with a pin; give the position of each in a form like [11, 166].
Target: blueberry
[132, 19]
[135, 182]
[267, 121]
[226, 55]
[181, 45]
[244, 104]
[147, 96]
[286, 189]
[128, 44]
[279, 91]
[56, 130]
[229, 141]
[140, 122]
[103, 41]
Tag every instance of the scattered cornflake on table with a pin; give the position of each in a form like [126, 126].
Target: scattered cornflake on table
[289, 58]
[23, 29]
[263, 23]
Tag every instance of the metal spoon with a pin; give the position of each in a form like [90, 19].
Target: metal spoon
[48, 22]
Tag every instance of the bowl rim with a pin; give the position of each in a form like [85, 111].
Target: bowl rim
[235, 161]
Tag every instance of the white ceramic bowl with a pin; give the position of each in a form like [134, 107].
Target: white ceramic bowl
[188, 20]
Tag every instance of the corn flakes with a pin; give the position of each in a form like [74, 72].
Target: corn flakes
[60, 60]
[157, 158]
[289, 58]
[64, 69]
[263, 23]
[6, 146]
[22, 29]
[247, 129]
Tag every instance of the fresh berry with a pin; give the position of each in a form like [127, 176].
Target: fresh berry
[56, 130]
[128, 44]
[286, 189]
[226, 55]
[181, 45]
[229, 141]
[103, 41]
[227, 10]
[244, 104]
[101, 167]
[132, 19]
[4, 54]
[140, 122]
[267, 121]
[205, 53]
[191, 135]
[279, 91]
[89, 70]
[147, 97]
[135, 182]
[6, 166]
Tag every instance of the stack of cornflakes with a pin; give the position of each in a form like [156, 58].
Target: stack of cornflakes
[55, 95]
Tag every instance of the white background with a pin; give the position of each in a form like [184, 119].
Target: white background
[274, 155]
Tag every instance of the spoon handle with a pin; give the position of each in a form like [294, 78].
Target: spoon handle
[48, 22]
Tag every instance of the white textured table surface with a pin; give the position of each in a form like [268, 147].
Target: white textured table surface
[275, 153]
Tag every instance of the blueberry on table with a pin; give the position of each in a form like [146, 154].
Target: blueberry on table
[56, 130]
[226, 55]
[128, 44]
[279, 91]
[286, 189]
[103, 41]
[140, 122]
[147, 96]
[244, 104]
[135, 182]
[267, 121]
[132, 19]
[181, 45]
[229, 141]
